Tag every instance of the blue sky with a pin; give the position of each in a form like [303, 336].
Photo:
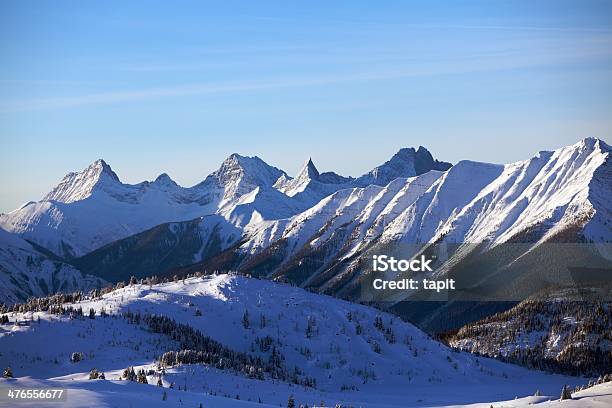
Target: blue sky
[176, 87]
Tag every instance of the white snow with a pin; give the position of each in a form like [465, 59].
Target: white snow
[26, 272]
[413, 371]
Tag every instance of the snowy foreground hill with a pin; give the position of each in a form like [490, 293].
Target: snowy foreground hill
[261, 342]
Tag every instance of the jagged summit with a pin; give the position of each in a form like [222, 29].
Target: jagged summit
[310, 186]
[80, 185]
[308, 172]
[239, 175]
[593, 143]
[407, 162]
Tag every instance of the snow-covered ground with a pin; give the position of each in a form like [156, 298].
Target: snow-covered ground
[358, 355]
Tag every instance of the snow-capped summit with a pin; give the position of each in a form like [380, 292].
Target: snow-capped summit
[310, 186]
[407, 162]
[239, 175]
[80, 185]
[309, 170]
[547, 194]
[165, 180]
[293, 186]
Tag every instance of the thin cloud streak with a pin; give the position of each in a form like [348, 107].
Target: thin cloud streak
[492, 63]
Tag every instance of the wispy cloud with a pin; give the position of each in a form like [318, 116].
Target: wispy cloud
[495, 60]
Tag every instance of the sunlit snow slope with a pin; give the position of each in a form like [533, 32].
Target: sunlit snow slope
[356, 355]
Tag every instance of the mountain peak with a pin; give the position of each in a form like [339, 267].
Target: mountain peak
[100, 167]
[592, 143]
[80, 185]
[309, 171]
[407, 162]
[239, 175]
[164, 180]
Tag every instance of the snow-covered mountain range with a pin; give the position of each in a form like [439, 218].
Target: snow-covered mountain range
[91, 208]
[317, 228]
[559, 196]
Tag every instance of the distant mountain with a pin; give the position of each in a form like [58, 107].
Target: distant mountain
[309, 186]
[92, 208]
[27, 271]
[555, 197]
[405, 163]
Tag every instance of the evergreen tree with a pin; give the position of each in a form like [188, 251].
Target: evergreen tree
[565, 393]
[92, 313]
[94, 374]
[291, 402]
[129, 374]
[245, 319]
[76, 357]
[8, 373]
[141, 377]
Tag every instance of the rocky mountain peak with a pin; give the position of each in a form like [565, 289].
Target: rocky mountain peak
[407, 162]
[80, 185]
[309, 171]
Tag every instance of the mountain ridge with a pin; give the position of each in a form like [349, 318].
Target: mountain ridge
[91, 208]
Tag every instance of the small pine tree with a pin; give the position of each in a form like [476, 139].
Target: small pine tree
[565, 393]
[198, 312]
[291, 402]
[245, 319]
[133, 280]
[129, 374]
[92, 313]
[8, 373]
[94, 374]
[76, 357]
[141, 377]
